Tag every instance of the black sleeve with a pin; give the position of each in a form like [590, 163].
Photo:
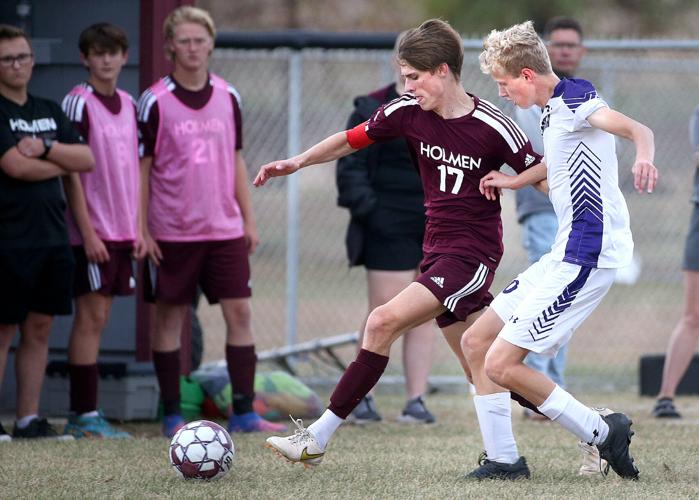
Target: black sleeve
[67, 133]
[353, 177]
[7, 138]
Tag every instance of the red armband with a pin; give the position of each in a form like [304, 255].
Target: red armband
[357, 136]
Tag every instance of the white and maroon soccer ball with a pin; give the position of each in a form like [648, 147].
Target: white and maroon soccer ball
[202, 450]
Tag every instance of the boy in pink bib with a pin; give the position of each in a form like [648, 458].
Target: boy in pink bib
[102, 220]
[196, 214]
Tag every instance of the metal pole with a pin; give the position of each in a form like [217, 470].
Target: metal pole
[292, 198]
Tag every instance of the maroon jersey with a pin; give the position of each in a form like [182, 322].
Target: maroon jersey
[452, 155]
[74, 107]
[149, 117]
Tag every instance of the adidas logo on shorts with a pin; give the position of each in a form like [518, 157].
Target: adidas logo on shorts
[438, 280]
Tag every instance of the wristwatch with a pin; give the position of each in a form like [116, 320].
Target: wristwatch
[48, 144]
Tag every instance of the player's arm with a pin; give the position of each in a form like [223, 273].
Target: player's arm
[242, 195]
[645, 175]
[75, 194]
[329, 149]
[21, 167]
[496, 180]
[70, 157]
[151, 248]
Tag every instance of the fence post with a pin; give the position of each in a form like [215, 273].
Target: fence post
[292, 199]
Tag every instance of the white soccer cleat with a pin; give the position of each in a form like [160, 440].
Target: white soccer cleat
[592, 463]
[300, 447]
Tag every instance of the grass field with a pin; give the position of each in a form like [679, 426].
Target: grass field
[388, 460]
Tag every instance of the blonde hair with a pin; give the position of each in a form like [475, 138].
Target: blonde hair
[514, 49]
[187, 14]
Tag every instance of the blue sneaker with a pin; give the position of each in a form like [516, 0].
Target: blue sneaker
[252, 422]
[172, 424]
[80, 426]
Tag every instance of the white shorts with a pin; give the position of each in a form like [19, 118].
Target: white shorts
[544, 305]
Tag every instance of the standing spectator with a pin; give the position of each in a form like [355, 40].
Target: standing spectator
[38, 144]
[196, 213]
[382, 189]
[563, 37]
[102, 218]
[684, 338]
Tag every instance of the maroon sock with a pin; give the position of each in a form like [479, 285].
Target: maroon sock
[241, 362]
[524, 402]
[83, 388]
[359, 378]
[167, 369]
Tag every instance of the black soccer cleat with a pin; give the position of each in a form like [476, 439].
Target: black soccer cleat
[665, 408]
[615, 449]
[490, 469]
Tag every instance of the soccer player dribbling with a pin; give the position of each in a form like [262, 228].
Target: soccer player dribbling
[540, 309]
[455, 138]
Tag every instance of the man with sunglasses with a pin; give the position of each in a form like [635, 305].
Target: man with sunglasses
[38, 145]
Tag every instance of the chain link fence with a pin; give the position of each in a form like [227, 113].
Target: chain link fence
[654, 83]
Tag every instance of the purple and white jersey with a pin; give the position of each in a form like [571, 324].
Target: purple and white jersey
[593, 220]
[452, 155]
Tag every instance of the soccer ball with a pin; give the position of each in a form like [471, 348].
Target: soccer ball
[201, 450]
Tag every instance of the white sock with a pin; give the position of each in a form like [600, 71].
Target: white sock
[93, 413]
[495, 420]
[24, 422]
[324, 428]
[584, 422]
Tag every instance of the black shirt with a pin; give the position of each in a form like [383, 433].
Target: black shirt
[32, 214]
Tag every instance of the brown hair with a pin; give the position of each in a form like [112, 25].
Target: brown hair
[103, 37]
[9, 32]
[432, 43]
[561, 23]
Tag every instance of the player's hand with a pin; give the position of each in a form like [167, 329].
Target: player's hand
[492, 183]
[140, 250]
[275, 169]
[152, 249]
[31, 147]
[645, 176]
[252, 239]
[95, 250]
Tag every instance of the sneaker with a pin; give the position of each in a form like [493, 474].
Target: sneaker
[252, 422]
[665, 408]
[365, 412]
[415, 412]
[39, 428]
[615, 448]
[592, 463]
[490, 469]
[96, 426]
[172, 424]
[4, 436]
[300, 447]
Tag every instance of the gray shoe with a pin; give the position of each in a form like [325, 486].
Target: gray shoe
[365, 412]
[415, 412]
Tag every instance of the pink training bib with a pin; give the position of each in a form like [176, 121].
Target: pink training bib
[192, 180]
[111, 189]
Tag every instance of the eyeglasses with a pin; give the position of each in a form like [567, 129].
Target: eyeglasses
[21, 59]
[564, 45]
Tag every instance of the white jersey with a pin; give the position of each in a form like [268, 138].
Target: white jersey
[583, 181]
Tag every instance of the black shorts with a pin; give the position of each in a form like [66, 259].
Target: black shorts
[691, 247]
[393, 240]
[35, 280]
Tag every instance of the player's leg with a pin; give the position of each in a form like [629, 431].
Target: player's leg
[382, 286]
[543, 321]
[418, 351]
[175, 283]
[51, 295]
[7, 333]
[681, 348]
[413, 306]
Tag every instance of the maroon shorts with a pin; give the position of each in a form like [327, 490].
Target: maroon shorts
[114, 277]
[221, 268]
[460, 283]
